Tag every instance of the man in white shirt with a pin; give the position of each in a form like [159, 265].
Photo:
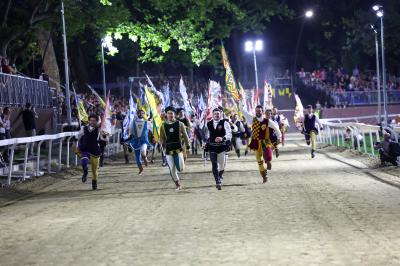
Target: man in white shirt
[218, 135]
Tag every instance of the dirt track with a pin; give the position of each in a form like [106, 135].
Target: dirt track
[312, 212]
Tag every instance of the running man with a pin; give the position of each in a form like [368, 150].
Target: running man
[172, 135]
[260, 139]
[310, 129]
[218, 136]
[89, 149]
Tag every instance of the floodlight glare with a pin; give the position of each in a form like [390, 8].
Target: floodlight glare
[259, 45]
[379, 14]
[107, 41]
[375, 8]
[309, 14]
[248, 46]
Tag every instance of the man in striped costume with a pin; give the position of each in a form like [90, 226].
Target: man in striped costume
[260, 139]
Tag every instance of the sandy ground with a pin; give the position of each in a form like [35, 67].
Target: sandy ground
[331, 210]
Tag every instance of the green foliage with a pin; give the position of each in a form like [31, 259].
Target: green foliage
[193, 27]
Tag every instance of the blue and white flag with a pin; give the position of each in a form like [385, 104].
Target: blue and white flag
[185, 98]
[129, 117]
[167, 97]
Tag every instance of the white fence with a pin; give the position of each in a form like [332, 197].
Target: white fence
[31, 143]
[361, 136]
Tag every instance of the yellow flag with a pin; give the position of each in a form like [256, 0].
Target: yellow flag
[152, 103]
[83, 116]
[229, 78]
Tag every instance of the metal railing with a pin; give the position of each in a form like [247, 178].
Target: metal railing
[363, 97]
[58, 140]
[357, 136]
[18, 90]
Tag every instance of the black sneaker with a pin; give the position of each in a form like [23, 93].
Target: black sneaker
[218, 186]
[84, 176]
[246, 152]
[94, 184]
[312, 154]
[277, 153]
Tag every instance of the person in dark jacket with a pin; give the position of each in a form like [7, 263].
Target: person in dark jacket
[29, 117]
[89, 149]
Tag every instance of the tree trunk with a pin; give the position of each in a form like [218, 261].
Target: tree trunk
[79, 69]
[50, 65]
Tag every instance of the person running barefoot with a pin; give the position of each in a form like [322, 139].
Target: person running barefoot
[172, 135]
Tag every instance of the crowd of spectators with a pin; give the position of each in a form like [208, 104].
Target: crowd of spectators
[349, 88]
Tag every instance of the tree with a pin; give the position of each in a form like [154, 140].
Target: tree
[194, 27]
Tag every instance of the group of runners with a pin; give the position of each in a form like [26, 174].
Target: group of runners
[261, 134]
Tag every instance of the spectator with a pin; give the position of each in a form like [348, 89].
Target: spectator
[354, 137]
[389, 151]
[28, 117]
[5, 67]
[5, 118]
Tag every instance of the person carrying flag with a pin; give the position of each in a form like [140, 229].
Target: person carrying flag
[173, 136]
[89, 149]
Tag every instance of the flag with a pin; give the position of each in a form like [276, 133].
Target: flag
[82, 114]
[129, 116]
[267, 96]
[229, 78]
[103, 104]
[185, 98]
[154, 90]
[201, 104]
[151, 100]
[106, 121]
[166, 95]
[214, 97]
[298, 112]
[243, 97]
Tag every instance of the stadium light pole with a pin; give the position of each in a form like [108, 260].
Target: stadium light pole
[379, 13]
[67, 92]
[378, 77]
[307, 15]
[251, 46]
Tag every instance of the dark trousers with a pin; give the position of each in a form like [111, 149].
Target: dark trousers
[218, 162]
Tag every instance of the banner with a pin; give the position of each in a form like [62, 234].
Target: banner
[159, 94]
[167, 98]
[267, 96]
[106, 121]
[129, 117]
[185, 98]
[298, 113]
[229, 78]
[243, 97]
[151, 100]
[214, 97]
[101, 101]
